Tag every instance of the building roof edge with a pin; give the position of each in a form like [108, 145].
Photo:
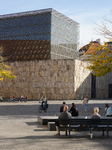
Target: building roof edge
[27, 13]
[40, 11]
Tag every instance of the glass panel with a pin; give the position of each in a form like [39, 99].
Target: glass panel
[64, 37]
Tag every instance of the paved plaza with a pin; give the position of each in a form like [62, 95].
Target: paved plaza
[19, 129]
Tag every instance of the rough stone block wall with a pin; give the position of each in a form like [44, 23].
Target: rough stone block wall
[102, 87]
[110, 77]
[82, 85]
[82, 76]
[55, 78]
[58, 79]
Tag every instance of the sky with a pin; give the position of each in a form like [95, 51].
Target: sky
[87, 13]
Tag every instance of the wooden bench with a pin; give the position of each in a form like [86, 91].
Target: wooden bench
[82, 124]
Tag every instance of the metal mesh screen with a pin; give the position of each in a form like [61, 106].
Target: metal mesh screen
[24, 50]
[40, 34]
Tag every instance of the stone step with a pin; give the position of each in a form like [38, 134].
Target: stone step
[51, 126]
[43, 120]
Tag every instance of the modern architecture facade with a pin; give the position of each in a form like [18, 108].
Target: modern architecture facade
[38, 35]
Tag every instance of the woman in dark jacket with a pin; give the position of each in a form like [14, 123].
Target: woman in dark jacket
[73, 110]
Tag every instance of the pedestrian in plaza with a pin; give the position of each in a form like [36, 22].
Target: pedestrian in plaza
[61, 108]
[85, 103]
[44, 101]
[73, 110]
[108, 110]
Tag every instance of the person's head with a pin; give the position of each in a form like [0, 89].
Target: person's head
[85, 96]
[65, 108]
[43, 95]
[106, 105]
[96, 110]
[73, 104]
[64, 103]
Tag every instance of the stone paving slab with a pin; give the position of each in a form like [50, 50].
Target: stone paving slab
[19, 129]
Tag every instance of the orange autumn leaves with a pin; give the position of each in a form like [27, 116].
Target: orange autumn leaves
[100, 58]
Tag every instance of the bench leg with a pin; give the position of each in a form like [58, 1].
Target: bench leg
[103, 133]
[107, 133]
[66, 131]
[69, 132]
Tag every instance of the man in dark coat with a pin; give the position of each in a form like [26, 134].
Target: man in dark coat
[64, 115]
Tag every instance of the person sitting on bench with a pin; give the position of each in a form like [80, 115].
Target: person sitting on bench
[1, 98]
[64, 115]
[94, 116]
[13, 99]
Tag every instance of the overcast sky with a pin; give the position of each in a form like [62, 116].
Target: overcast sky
[85, 12]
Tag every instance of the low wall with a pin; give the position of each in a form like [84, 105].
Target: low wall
[55, 78]
[83, 82]
[82, 86]
[58, 79]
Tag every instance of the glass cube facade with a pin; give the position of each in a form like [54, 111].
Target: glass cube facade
[64, 37]
[38, 35]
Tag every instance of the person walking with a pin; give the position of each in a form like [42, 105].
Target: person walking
[108, 110]
[85, 103]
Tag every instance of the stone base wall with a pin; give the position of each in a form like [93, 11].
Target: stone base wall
[58, 79]
[82, 86]
[55, 78]
[102, 87]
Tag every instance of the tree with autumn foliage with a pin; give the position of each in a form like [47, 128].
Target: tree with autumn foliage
[5, 70]
[100, 59]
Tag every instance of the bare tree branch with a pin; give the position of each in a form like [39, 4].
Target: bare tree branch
[103, 29]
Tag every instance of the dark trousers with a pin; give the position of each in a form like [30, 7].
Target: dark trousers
[57, 123]
[44, 105]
